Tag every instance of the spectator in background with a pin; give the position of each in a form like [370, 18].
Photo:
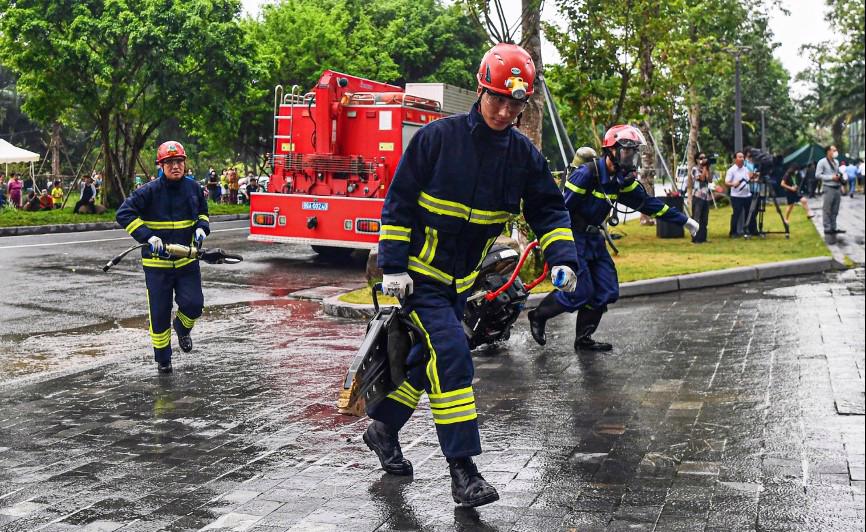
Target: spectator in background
[46, 202]
[252, 186]
[14, 189]
[793, 188]
[224, 185]
[32, 202]
[811, 180]
[88, 196]
[851, 173]
[189, 174]
[57, 194]
[829, 174]
[213, 185]
[2, 190]
[234, 185]
[861, 173]
[737, 180]
[701, 198]
[843, 169]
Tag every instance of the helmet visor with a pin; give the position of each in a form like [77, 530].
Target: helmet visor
[628, 157]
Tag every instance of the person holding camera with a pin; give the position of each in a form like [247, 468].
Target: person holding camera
[737, 179]
[701, 180]
[828, 172]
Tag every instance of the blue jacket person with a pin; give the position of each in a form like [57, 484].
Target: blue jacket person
[460, 179]
[590, 192]
[169, 210]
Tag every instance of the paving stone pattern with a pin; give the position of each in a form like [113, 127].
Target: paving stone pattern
[718, 410]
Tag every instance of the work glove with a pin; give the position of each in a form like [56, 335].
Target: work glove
[156, 245]
[563, 278]
[693, 226]
[397, 284]
[199, 237]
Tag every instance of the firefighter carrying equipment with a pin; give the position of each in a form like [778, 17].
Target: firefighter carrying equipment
[380, 365]
[456, 186]
[589, 192]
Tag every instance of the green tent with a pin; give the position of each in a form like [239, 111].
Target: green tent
[804, 155]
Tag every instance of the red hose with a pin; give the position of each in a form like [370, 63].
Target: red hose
[490, 296]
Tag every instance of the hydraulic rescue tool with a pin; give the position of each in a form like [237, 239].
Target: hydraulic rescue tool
[178, 251]
[380, 365]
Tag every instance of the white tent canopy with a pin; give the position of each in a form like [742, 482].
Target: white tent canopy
[13, 154]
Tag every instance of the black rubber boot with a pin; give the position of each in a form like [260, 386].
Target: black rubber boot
[468, 487]
[545, 310]
[383, 441]
[586, 324]
[183, 340]
[164, 367]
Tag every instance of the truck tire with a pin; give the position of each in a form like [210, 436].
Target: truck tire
[333, 253]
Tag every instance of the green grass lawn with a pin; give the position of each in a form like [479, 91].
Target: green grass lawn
[644, 256]
[10, 217]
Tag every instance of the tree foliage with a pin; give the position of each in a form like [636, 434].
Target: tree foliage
[122, 68]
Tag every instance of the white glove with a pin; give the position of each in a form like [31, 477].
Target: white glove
[397, 284]
[156, 245]
[693, 226]
[199, 237]
[563, 278]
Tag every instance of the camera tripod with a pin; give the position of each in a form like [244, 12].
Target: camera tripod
[765, 190]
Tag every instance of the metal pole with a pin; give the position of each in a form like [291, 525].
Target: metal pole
[763, 108]
[738, 118]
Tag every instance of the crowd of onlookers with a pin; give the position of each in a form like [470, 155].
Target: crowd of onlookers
[25, 194]
[226, 187]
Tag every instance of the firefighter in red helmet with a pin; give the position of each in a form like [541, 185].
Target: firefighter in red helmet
[592, 190]
[169, 210]
[459, 181]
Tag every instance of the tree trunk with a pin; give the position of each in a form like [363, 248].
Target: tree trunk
[55, 151]
[692, 147]
[533, 116]
[648, 156]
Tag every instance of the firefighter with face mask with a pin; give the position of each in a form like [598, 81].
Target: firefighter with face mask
[169, 210]
[460, 179]
[591, 191]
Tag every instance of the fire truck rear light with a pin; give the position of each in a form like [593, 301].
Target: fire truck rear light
[367, 226]
[264, 219]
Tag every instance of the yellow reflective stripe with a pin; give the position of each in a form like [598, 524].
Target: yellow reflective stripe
[453, 398]
[395, 232]
[431, 241]
[408, 388]
[432, 374]
[662, 211]
[444, 207]
[574, 188]
[455, 415]
[479, 216]
[160, 340]
[406, 395]
[204, 218]
[560, 233]
[417, 265]
[133, 225]
[185, 320]
[601, 195]
[166, 263]
[466, 283]
[634, 185]
[177, 224]
[396, 397]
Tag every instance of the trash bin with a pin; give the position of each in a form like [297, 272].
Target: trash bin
[666, 229]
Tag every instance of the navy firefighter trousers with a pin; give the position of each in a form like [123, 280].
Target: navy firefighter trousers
[597, 282]
[184, 284]
[446, 376]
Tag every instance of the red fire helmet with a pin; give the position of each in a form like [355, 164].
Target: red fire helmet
[169, 150]
[507, 69]
[624, 135]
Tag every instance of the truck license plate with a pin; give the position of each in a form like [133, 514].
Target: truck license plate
[314, 206]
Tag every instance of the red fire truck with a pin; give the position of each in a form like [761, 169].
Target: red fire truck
[335, 151]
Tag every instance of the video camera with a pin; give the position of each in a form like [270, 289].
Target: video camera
[764, 163]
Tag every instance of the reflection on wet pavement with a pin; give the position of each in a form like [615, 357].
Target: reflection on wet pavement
[717, 410]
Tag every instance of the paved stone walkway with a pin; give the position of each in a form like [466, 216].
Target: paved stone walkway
[734, 409]
[852, 218]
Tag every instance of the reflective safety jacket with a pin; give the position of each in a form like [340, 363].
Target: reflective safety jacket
[457, 184]
[171, 210]
[585, 199]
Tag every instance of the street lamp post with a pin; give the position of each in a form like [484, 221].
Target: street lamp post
[763, 108]
[736, 51]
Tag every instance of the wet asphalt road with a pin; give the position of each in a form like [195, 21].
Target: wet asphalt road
[60, 311]
[739, 408]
